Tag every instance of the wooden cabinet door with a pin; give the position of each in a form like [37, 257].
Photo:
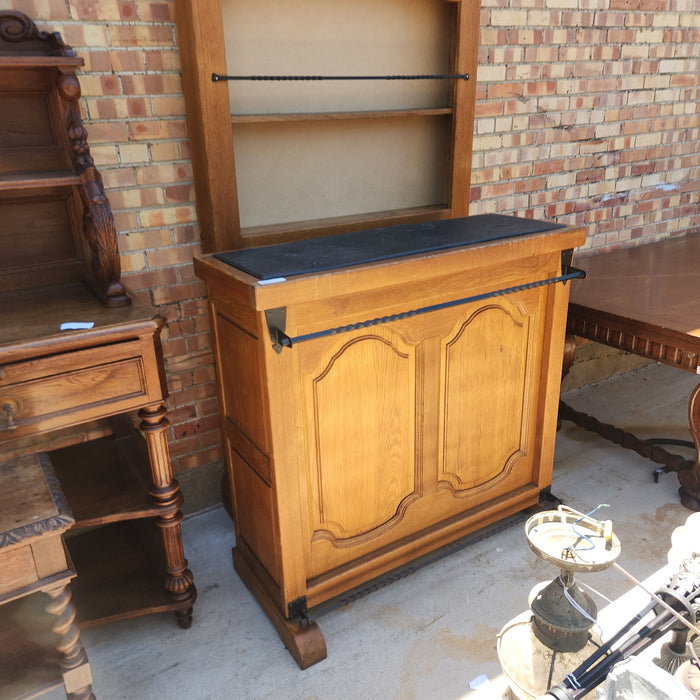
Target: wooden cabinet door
[362, 465]
[411, 423]
[488, 385]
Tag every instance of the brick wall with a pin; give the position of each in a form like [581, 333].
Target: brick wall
[587, 113]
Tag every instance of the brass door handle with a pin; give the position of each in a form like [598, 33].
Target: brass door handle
[11, 408]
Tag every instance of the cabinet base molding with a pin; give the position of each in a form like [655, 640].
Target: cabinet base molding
[303, 639]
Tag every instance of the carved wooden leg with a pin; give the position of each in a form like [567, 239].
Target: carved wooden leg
[690, 478]
[77, 676]
[166, 495]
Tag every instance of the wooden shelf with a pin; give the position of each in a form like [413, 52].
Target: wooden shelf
[115, 545]
[282, 233]
[38, 180]
[105, 480]
[336, 116]
[120, 573]
[30, 662]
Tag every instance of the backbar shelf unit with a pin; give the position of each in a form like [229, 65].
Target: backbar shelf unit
[278, 160]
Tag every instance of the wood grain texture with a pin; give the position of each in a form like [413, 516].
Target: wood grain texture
[355, 452]
[201, 42]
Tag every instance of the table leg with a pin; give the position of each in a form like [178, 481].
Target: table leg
[690, 478]
[166, 494]
[77, 676]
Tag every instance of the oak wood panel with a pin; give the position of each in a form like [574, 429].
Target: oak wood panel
[338, 116]
[408, 279]
[201, 43]
[17, 569]
[53, 392]
[254, 510]
[241, 390]
[488, 381]
[465, 49]
[362, 417]
[388, 440]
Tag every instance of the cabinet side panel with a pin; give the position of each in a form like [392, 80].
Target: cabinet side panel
[241, 384]
[254, 512]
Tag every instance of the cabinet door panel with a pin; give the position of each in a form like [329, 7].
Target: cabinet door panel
[487, 392]
[361, 413]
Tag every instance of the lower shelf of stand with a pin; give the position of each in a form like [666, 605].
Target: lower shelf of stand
[115, 544]
[105, 480]
[120, 572]
[29, 661]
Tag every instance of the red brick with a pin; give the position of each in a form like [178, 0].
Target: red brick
[141, 35]
[548, 167]
[504, 90]
[153, 278]
[156, 11]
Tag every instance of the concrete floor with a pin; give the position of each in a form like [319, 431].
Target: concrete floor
[431, 633]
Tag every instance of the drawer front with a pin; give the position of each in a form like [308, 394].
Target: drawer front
[66, 389]
[17, 569]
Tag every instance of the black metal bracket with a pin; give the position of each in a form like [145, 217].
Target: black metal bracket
[296, 610]
[567, 268]
[276, 325]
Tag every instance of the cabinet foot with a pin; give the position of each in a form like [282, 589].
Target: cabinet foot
[304, 641]
[184, 618]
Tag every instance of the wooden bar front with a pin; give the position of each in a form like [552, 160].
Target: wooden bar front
[350, 454]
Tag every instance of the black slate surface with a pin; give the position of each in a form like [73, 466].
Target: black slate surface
[374, 245]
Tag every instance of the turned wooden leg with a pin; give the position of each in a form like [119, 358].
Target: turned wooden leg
[166, 494]
[690, 478]
[77, 675]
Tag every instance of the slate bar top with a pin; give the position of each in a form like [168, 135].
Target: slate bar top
[374, 245]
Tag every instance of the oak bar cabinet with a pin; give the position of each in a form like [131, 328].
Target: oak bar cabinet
[382, 394]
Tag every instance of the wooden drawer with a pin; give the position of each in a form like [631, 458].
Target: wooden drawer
[26, 564]
[66, 389]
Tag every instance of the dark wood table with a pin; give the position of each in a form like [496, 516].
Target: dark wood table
[645, 300]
